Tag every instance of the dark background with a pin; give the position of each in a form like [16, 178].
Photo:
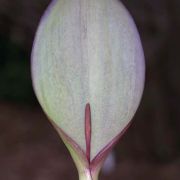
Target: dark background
[30, 148]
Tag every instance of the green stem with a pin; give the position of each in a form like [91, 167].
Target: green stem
[87, 175]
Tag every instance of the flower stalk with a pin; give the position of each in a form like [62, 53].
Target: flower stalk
[87, 175]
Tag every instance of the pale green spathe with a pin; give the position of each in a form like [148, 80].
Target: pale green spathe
[88, 51]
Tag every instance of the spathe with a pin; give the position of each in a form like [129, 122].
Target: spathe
[88, 73]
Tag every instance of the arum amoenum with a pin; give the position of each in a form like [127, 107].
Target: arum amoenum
[88, 75]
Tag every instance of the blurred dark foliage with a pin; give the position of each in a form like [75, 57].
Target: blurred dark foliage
[151, 147]
[18, 23]
[14, 72]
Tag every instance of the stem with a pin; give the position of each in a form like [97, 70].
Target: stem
[87, 175]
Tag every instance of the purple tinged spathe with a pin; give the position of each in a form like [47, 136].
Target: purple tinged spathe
[88, 75]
